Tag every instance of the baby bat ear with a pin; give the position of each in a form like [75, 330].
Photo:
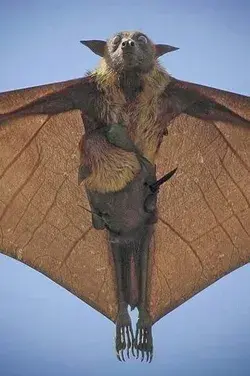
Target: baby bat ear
[161, 49]
[96, 46]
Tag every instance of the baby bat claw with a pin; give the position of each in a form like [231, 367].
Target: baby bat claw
[143, 338]
[124, 335]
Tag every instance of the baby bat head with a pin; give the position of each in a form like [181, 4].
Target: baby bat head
[129, 50]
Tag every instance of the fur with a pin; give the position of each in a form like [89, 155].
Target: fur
[113, 168]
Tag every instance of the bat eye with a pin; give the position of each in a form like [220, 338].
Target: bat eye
[117, 39]
[142, 39]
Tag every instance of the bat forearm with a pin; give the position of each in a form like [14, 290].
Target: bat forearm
[81, 96]
[49, 105]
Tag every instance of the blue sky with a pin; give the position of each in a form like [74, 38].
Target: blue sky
[44, 330]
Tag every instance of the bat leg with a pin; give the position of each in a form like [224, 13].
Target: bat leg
[124, 331]
[143, 337]
[130, 234]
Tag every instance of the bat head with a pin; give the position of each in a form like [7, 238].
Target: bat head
[129, 50]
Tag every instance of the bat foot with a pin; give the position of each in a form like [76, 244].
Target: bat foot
[143, 339]
[124, 335]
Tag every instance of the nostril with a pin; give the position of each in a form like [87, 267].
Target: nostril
[128, 43]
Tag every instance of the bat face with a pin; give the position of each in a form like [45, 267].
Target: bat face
[129, 51]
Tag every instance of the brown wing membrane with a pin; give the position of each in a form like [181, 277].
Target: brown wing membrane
[16, 99]
[42, 222]
[204, 103]
[203, 231]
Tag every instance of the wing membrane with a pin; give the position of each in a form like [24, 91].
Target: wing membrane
[204, 228]
[42, 222]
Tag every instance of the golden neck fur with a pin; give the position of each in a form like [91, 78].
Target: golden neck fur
[141, 116]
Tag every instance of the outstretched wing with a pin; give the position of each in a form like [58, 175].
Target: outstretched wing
[203, 231]
[42, 222]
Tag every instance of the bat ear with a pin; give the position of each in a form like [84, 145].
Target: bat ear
[162, 49]
[96, 46]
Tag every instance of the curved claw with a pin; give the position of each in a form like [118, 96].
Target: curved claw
[124, 341]
[144, 342]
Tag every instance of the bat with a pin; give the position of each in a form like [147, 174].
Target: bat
[107, 141]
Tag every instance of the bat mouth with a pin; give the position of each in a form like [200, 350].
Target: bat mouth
[128, 57]
[127, 52]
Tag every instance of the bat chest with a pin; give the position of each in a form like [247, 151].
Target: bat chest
[142, 120]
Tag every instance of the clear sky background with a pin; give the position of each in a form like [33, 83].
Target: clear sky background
[44, 330]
